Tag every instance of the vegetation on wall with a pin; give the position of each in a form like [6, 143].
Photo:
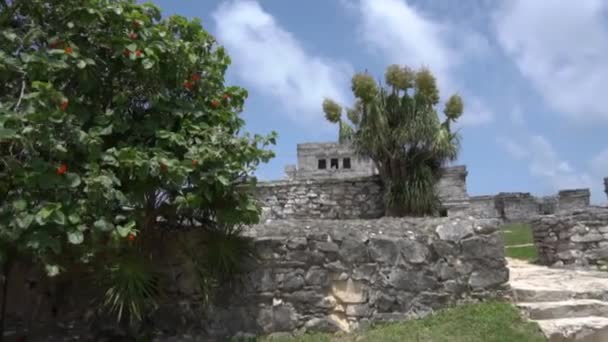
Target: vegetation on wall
[116, 123]
[397, 125]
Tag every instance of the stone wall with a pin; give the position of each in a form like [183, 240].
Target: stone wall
[569, 200]
[321, 198]
[522, 206]
[517, 206]
[348, 198]
[310, 275]
[483, 207]
[575, 238]
[339, 275]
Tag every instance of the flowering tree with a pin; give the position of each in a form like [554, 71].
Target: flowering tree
[398, 127]
[114, 122]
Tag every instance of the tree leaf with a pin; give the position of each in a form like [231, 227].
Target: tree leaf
[75, 237]
[59, 217]
[20, 205]
[74, 218]
[81, 64]
[103, 225]
[73, 179]
[147, 63]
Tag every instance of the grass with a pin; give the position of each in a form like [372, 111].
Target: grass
[519, 234]
[484, 322]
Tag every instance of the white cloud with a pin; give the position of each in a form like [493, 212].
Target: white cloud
[475, 113]
[561, 47]
[515, 150]
[403, 35]
[272, 61]
[545, 164]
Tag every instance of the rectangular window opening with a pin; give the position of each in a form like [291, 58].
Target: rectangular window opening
[322, 164]
[346, 163]
[334, 163]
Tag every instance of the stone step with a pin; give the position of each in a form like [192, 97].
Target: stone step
[534, 283]
[579, 329]
[565, 309]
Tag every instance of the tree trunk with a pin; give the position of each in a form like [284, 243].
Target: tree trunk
[6, 270]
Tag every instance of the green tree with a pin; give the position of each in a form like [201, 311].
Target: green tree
[398, 127]
[115, 123]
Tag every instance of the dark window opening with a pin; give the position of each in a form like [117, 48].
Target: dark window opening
[346, 163]
[334, 163]
[322, 164]
[443, 212]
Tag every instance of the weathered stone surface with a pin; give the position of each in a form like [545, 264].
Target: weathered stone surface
[455, 230]
[349, 291]
[344, 194]
[339, 275]
[572, 238]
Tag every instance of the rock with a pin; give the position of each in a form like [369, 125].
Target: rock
[317, 276]
[365, 272]
[349, 291]
[325, 324]
[482, 279]
[413, 252]
[483, 246]
[358, 310]
[454, 231]
[384, 250]
[353, 251]
[293, 282]
[411, 280]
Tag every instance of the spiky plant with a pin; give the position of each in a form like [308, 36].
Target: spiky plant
[398, 127]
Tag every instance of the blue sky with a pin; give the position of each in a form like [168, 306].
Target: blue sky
[532, 75]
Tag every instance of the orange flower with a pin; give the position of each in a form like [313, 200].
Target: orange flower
[138, 53]
[68, 50]
[226, 96]
[64, 105]
[215, 103]
[62, 169]
[188, 84]
[194, 162]
[196, 77]
[133, 35]
[127, 52]
[131, 237]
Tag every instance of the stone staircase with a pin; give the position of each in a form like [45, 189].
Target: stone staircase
[568, 305]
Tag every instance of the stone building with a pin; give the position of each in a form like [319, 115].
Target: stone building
[329, 160]
[331, 182]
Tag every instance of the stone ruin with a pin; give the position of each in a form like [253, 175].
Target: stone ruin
[321, 267]
[331, 182]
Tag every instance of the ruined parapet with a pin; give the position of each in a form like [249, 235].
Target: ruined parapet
[606, 185]
[547, 205]
[483, 207]
[573, 199]
[517, 206]
[452, 190]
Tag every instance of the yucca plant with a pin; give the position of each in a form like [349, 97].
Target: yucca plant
[397, 126]
[132, 288]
